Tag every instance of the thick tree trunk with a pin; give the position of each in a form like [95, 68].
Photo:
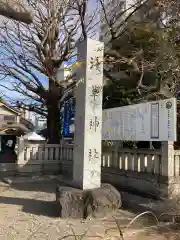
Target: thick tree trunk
[53, 118]
[53, 123]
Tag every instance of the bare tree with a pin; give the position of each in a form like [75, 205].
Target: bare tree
[139, 45]
[14, 9]
[35, 53]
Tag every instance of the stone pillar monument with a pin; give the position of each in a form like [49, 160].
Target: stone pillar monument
[88, 115]
[92, 199]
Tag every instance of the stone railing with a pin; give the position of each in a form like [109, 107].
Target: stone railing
[154, 172]
[132, 169]
[52, 158]
[148, 161]
[40, 159]
[147, 171]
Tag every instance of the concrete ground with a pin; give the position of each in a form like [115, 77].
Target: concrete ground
[28, 212]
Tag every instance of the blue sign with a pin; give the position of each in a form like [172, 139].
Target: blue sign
[67, 119]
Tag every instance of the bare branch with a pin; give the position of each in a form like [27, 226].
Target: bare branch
[14, 9]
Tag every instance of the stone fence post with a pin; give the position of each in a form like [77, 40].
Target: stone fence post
[167, 159]
[20, 155]
[167, 182]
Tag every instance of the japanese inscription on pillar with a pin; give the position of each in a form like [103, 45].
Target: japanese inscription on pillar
[94, 123]
[93, 155]
[94, 98]
[88, 118]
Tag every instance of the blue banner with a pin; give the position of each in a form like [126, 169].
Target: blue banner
[72, 110]
[67, 119]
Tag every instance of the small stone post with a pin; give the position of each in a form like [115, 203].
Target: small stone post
[88, 115]
[20, 154]
[167, 159]
[167, 167]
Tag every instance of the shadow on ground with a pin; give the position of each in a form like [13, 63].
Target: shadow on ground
[46, 187]
[132, 203]
[50, 209]
[32, 206]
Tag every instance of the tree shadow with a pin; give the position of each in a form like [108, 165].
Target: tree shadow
[131, 202]
[137, 203]
[42, 186]
[33, 206]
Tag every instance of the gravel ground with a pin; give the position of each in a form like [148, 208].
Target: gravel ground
[28, 212]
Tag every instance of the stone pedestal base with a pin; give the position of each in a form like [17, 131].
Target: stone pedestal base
[169, 187]
[77, 203]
